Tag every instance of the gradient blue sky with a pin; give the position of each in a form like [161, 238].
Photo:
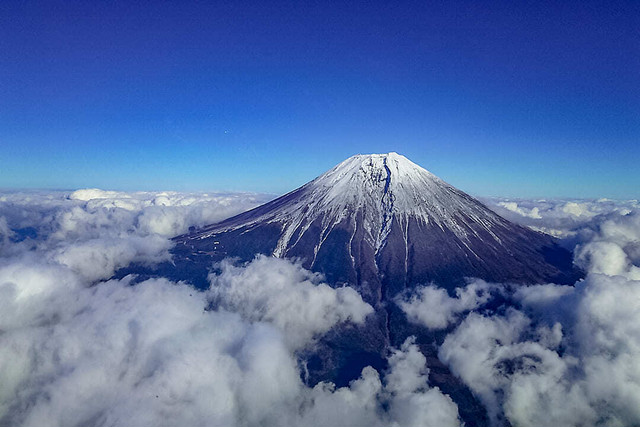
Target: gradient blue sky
[498, 98]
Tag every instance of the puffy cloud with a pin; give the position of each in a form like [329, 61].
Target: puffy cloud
[562, 218]
[95, 232]
[413, 402]
[77, 350]
[5, 231]
[541, 295]
[402, 398]
[285, 294]
[608, 336]
[518, 379]
[534, 212]
[30, 289]
[141, 355]
[531, 373]
[93, 213]
[614, 247]
[87, 194]
[571, 355]
[578, 209]
[432, 306]
[602, 257]
[97, 259]
[152, 354]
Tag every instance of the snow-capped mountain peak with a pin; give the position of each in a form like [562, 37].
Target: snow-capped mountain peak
[377, 188]
[381, 218]
[383, 225]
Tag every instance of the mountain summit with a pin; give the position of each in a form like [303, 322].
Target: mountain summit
[381, 223]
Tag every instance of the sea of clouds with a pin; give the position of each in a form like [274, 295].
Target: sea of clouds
[79, 348]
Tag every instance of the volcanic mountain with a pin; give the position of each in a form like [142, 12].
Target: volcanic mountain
[381, 223]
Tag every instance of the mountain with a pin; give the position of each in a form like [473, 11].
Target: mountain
[383, 225]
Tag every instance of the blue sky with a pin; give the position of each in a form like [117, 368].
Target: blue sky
[497, 98]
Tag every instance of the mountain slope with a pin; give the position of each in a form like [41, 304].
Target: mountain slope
[382, 223]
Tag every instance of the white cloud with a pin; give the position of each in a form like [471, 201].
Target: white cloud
[522, 380]
[96, 232]
[608, 335]
[150, 354]
[285, 294]
[30, 288]
[87, 194]
[75, 350]
[578, 209]
[574, 358]
[97, 259]
[141, 355]
[602, 257]
[402, 398]
[562, 218]
[413, 402]
[5, 231]
[534, 212]
[93, 213]
[541, 295]
[432, 306]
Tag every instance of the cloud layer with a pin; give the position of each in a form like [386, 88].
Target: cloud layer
[432, 306]
[286, 295]
[559, 355]
[77, 349]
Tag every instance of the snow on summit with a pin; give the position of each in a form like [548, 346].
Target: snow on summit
[379, 188]
[376, 215]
